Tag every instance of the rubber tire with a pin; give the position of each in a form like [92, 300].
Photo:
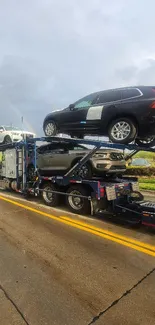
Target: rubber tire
[55, 128]
[7, 139]
[45, 187]
[86, 209]
[89, 175]
[145, 145]
[130, 137]
[81, 136]
[77, 136]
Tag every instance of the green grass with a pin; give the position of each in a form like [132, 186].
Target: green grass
[145, 155]
[147, 183]
[147, 186]
[137, 167]
[146, 180]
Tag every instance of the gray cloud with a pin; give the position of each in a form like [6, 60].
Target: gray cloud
[54, 51]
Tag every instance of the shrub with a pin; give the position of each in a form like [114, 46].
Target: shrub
[140, 171]
[146, 180]
[145, 155]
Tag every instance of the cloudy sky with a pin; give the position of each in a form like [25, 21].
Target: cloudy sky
[53, 52]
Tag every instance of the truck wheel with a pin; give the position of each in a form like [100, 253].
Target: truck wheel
[51, 199]
[122, 130]
[78, 204]
[7, 139]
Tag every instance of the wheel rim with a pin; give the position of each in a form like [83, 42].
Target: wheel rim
[84, 171]
[7, 140]
[147, 140]
[50, 129]
[48, 196]
[74, 201]
[121, 130]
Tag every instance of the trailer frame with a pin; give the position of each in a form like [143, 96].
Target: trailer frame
[115, 192]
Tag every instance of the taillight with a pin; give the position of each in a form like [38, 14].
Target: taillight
[152, 105]
[102, 191]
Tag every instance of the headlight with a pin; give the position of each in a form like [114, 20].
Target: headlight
[116, 156]
[100, 155]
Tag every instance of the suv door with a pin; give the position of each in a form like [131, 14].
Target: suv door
[74, 117]
[54, 158]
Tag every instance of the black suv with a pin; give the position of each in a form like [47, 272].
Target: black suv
[123, 114]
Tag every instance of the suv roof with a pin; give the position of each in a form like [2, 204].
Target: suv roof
[141, 88]
[55, 143]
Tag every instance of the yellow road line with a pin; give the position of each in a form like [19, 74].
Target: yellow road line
[112, 234]
[123, 240]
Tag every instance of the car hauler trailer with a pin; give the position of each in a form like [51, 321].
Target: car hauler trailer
[117, 197]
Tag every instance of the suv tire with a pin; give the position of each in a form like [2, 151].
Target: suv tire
[122, 126]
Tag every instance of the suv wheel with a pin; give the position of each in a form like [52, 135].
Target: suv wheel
[146, 143]
[50, 129]
[7, 139]
[122, 130]
[77, 136]
[85, 171]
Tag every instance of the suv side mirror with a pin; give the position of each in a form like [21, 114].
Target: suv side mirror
[71, 107]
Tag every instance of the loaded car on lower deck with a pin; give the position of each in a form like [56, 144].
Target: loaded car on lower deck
[57, 158]
[124, 115]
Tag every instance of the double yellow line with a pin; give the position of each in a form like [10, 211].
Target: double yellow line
[123, 240]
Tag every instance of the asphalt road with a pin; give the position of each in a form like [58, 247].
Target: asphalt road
[61, 269]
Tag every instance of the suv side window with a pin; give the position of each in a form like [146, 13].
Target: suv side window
[46, 149]
[108, 96]
[130, 93]
[51, 151]
[86, 101]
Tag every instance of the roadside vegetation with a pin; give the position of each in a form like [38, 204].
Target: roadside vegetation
[146, 175]
[146, 155]
[147, 183]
